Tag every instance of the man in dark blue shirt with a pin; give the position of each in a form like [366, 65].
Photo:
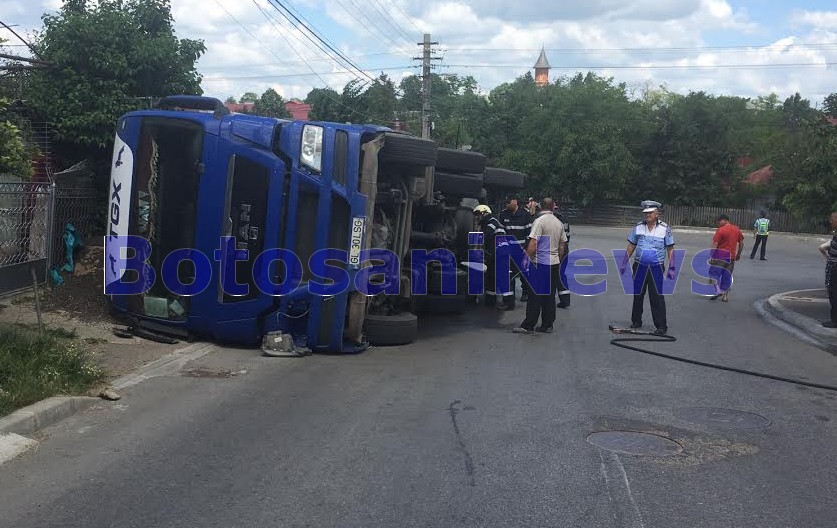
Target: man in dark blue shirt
[518, 223]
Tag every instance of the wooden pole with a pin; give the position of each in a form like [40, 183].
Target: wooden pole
[37, 301]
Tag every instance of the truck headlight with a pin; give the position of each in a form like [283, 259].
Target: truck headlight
[312, 147]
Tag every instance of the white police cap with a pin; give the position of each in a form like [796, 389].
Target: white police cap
[649, 206]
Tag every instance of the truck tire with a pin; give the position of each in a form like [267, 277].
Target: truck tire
[407, 150]
[444, 304]
[453, 160]
[459, 185]
[388, 330]
[464, 225]
[434, 281]
[504, 178]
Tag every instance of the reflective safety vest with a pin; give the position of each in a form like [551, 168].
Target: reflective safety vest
[762, 226]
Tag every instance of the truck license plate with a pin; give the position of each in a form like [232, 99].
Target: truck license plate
[358, 227]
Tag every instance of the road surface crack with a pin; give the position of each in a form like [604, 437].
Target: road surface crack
[454, 410]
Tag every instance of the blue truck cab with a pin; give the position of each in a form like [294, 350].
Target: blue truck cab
[189, 173]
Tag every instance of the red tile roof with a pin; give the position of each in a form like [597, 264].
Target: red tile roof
[761, 176]
[298, 110]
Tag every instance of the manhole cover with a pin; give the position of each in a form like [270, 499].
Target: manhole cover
[729, 418]
[634, 443]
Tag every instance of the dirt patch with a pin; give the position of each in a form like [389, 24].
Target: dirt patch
[79, 306]
[81, 295]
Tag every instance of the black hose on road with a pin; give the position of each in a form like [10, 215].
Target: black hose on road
[655, 338]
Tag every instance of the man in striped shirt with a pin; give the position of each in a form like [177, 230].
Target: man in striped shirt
[829, 250]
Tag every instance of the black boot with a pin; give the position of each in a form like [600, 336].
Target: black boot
[565, 300]
[506, 303]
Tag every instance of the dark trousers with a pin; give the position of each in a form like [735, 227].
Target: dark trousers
[644, 282]
[543, 306]
[831, 284]
[761, 240]
[517, 274]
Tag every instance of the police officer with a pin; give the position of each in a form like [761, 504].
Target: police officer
[491, 228]
[564, 293]
[650, 242]
[518, 223]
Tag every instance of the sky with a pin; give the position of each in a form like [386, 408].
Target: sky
[724, 47]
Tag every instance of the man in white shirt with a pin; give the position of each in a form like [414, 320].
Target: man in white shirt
[542, 306]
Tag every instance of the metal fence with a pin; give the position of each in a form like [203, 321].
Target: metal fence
[82, 208]
[681, 215]
[26, 211]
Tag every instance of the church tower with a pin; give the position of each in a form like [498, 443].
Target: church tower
[542, 69]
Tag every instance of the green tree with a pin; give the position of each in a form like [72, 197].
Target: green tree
[812, 170]
[271, 104]
[829, 105]
[351, 107]
[15, 158]
[378, 102]
[325, 104]
[689, 158]
[109, 57]
[231, 100]
[798, 112]
[249, 97]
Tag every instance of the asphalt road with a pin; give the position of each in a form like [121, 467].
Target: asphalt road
[470, 426]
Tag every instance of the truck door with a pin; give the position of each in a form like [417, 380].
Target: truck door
[252, 205]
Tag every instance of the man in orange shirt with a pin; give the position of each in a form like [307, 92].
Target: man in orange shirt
[727, 245]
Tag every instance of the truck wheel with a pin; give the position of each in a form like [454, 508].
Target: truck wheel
[454, 160]
[407, 150]
[507, 179]
[458, 184]
[464, 225]
[444, 304]
[386, 330]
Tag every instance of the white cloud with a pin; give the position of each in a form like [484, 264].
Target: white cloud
[816, 19]
[253, 54]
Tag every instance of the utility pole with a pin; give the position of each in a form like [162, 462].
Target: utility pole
[426, 60]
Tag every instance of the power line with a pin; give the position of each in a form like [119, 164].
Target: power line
[268, 64]
[285, 11]
[257, 39]
[301, 58]
[405, 15]
[754, 47]
[387, 17]
[291, 75]
[316, 34]
[381, 34]
[653, 67]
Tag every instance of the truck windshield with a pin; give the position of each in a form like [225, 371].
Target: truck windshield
[164, 204]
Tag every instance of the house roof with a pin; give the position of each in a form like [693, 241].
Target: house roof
[542, 62]
[761, 176]
[240, 107]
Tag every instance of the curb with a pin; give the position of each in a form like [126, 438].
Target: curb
[801, 326]
[46, 412]
[168, 364]
[50, 411]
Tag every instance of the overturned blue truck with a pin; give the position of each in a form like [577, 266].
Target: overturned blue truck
[189, 174]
